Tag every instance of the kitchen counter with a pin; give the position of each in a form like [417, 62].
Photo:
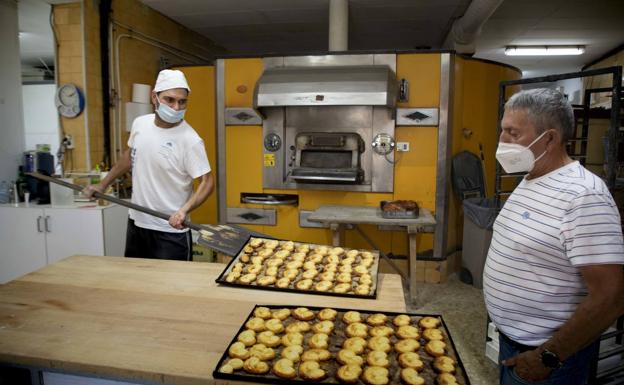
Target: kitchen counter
[139, 320]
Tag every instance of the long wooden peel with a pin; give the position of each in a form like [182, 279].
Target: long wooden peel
[226, 239]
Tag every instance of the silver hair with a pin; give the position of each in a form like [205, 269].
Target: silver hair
[546, 109]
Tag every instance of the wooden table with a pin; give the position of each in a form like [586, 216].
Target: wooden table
[337, 217]
[140, 320]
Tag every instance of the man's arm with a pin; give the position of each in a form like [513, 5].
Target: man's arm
[199, 196]
[122, 166]
[602, 306]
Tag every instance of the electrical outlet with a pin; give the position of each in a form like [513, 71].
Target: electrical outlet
[69, 142]
[402, 146]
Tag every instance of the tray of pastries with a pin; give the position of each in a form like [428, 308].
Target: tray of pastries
[304, 268]
[289, 344]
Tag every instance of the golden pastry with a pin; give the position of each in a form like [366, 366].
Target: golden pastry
[336, 251]
[247, 278]
[247, 337]
[284, 368]
[327, 314]
[379, 343]
[362, 290]
[410, 377]
[294, 265]
[266, 280]
[407, 345]
[248, 249]
[238, 267]
[349, 373]
[292, 339]
[238, 350]
[316, 355]
[365, 279]
[435, 348]
[348, 357]
[282, 283]
[357, 329]
[315, 258]
[323, 285]
[309, 274]
[322, 250]
[352, 253]
[367, 255]
[446, 379]
[290, 274]
[268, 338]
[256, 324]
[303, 248]
[429, 322]
[311, 370]
[253, 270]
[235, 363]
[265, 253]
[381, 331]
[356, 344]
[304, 284]
[271, 244]
[433, 334]
[271, 272]
[256, 261]
[377, 358]
[226, 368]
[332, 259]
[233, 276]
[254, 365]
[402, 320]
[330, 268]
[351, 317]
[374, 375]
[368, 262]
[292, 352]
[274, 262]
[325, 327]
[444, 364]
[255, 242]
[245, 258]
[288, 245]
[298, 326]
[281, 254]
[274, 325]
[347, 261]
[262, 351]
[344, 278]
[281, 314]
[309, 265]
[319, 341]
[408, 331]
[342, 288]
[298, 257]
[377, 319]
[411, 360]
[327, 276]
[347, 269]
[360, 269]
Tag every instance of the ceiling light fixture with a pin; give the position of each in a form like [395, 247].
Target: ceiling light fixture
[544, 50]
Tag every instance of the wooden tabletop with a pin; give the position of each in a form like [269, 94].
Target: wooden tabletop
[140, 320]
[367, 215]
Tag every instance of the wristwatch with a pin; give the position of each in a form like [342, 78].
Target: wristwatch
[550, 360]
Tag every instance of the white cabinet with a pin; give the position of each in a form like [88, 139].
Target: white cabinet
[33, 236]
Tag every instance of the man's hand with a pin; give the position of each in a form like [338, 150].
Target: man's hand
[529, 365]
[177, 219]
[92, 188]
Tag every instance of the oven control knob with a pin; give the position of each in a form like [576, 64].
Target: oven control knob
[272, 142]
[383, 144]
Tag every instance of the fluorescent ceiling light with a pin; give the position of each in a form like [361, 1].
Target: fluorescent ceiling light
[544, 50]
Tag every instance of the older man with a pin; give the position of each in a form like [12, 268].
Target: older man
[553, 280]
[166, 155]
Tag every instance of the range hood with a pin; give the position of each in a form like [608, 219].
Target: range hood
[370, 85]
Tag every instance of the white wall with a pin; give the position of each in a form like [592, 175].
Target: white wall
[40, 117]
[571, 87]
[11, 123]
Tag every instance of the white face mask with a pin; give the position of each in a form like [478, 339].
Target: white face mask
[516, 157]
[168, 114]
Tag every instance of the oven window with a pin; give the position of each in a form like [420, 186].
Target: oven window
[326, 159]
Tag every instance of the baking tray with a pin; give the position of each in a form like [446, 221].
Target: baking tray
[335, 344]
[374, 272]
[407, 214]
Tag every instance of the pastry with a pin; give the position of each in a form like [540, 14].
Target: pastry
[352, 253]
[245, 258]
[429, 322]
[281, 314]
[367, 262]
[282, 283]
[381, 331]
[303, 314]
[401, 320]
[309, 274]
[265, 253]
[315, 258]
[349, 373]
[379, 343]
[281, 254]
[235, 363]
[323, 285]
[271, 244]
[298, 257]
[322, 250]
[356, 344]
[362, 290]
[311, 370]
[298, 326]
[238, 350]
[271, 272]
[309, 265]
[238, 267]
[377, 358]
[253, 269]
[348, 357]
[247, 337]
[342, 288]
[284, 368]
[226, 368]
[248, 249]
[344, 278]
[374, 375]
[357, 329]
[316, 355]
[254, 365]
[433, 334]
[262, 351]
[319, 341]
[288, 245]
[292, 339]
[274, 262]
[351, 317]
[336, 250]
[256, 324]
[408, 331]
[231, 277]
[330, 268]
[303, 248]
[304, 284]
[446, 379]
[327, 314]
[367, 255]
[255, 242]
[294, 265]
[268, 338]
[290, 274]
[411, 360]
[435, 348]
[407, 345]
[444, 364]
[410, 377]
[365, 279]
[347, 261]
[292, 352]
[332, 259]
[328, 276]
[266, 280]
[325, 327]
[346, 269]
[360, 269]
[274, 325]
[247, 278]
[377, 319]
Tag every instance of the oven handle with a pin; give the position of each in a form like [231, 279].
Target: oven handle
[270, 200]
[322, 178]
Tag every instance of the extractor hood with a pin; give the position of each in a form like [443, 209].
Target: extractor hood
[371, 85]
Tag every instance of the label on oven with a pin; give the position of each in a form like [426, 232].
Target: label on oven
[269, 160]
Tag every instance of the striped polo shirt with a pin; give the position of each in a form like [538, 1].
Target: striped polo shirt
[548, 228]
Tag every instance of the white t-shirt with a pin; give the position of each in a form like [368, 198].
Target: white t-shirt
[548, 228]
[164, 163]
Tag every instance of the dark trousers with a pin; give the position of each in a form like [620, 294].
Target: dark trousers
[146, 243]
[575, 370]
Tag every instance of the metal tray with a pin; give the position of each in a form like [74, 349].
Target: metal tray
[428, 373]
[407, 214]
[374, 272]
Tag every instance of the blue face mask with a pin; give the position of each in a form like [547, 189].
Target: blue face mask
[168, 114]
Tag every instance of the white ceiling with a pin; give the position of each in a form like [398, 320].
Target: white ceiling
[35, 33]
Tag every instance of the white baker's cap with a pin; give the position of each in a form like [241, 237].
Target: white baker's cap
[169, 79]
